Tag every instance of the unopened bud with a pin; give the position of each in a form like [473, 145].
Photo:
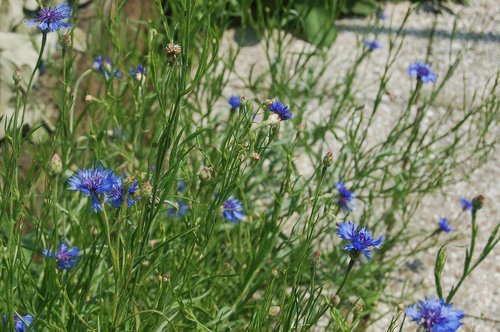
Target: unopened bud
[255, 156]
[314, 258]
[205, 174]
[147, 189]
[401, 307]
[274, 272]
[360, 307]
[268, 102]
[17, 76]
[477, 203]
[328, 159]
[173, 52]
[55, 165]
[335, 300]
[274, 311]
[65, 41]
[89, 98]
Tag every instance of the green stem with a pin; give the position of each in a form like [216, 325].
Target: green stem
[349, 268]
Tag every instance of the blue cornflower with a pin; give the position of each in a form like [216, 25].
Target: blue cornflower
[179, 211]
[372, 44]
[381, 14]
[434, 315]
[422, 72]
[138, 72]
[344, 197]
[233, 210]
[105, 66]
[235, 102]
[66, 258]
[20, 323]
[118, 191]
[466, 204]
[93, 182]
[51, 19]
[280, 109]
[444, 226]
[360, 240]
[181, 185]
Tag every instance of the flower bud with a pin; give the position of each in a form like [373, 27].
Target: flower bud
[255, 156]
[268, 102]
[65, 41]
[17, 76]
[89, 98]
[335, 300]
[328, 159]
[477, 203]
[314, 258]
[274, 272]
[147, 189]
[274, 311]
[55, 165]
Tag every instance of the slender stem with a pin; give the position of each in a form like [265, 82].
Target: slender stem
[349, 268]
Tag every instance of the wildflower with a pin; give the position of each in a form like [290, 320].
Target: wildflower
[280, 109]
[181, 185]
[119, 190]
[233, 210]
[105, 66]
[235, 102]
[344, 197]
[443, 225]
[138, 72]
[434, 315]
[381, 14]
[66, 258]
[179, 210]
[372, 44]
[93, 182]
[360, 240]
[51, 19]
[173, 52]
[20, 323]
[422, 72]
[466, 204]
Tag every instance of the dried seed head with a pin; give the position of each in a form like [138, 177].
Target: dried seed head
[205, 174]
[173, 52]
[328, 159]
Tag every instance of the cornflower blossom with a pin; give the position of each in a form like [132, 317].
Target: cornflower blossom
[93, 182]
[181, 185]
[118, 192]
[235, 102]
[281, 110]
[381, 14]
[466, 204]
[344, 197]
[233, 210]
[52, 19]
[179, 211]
[444, 226]
[422, 72]
[66, 257]
[372, 44]
[434, 315]
[360, 241]
[21, 324]
[105, 66]
[138, 72]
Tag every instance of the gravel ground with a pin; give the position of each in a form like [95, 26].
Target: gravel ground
[478, 36]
